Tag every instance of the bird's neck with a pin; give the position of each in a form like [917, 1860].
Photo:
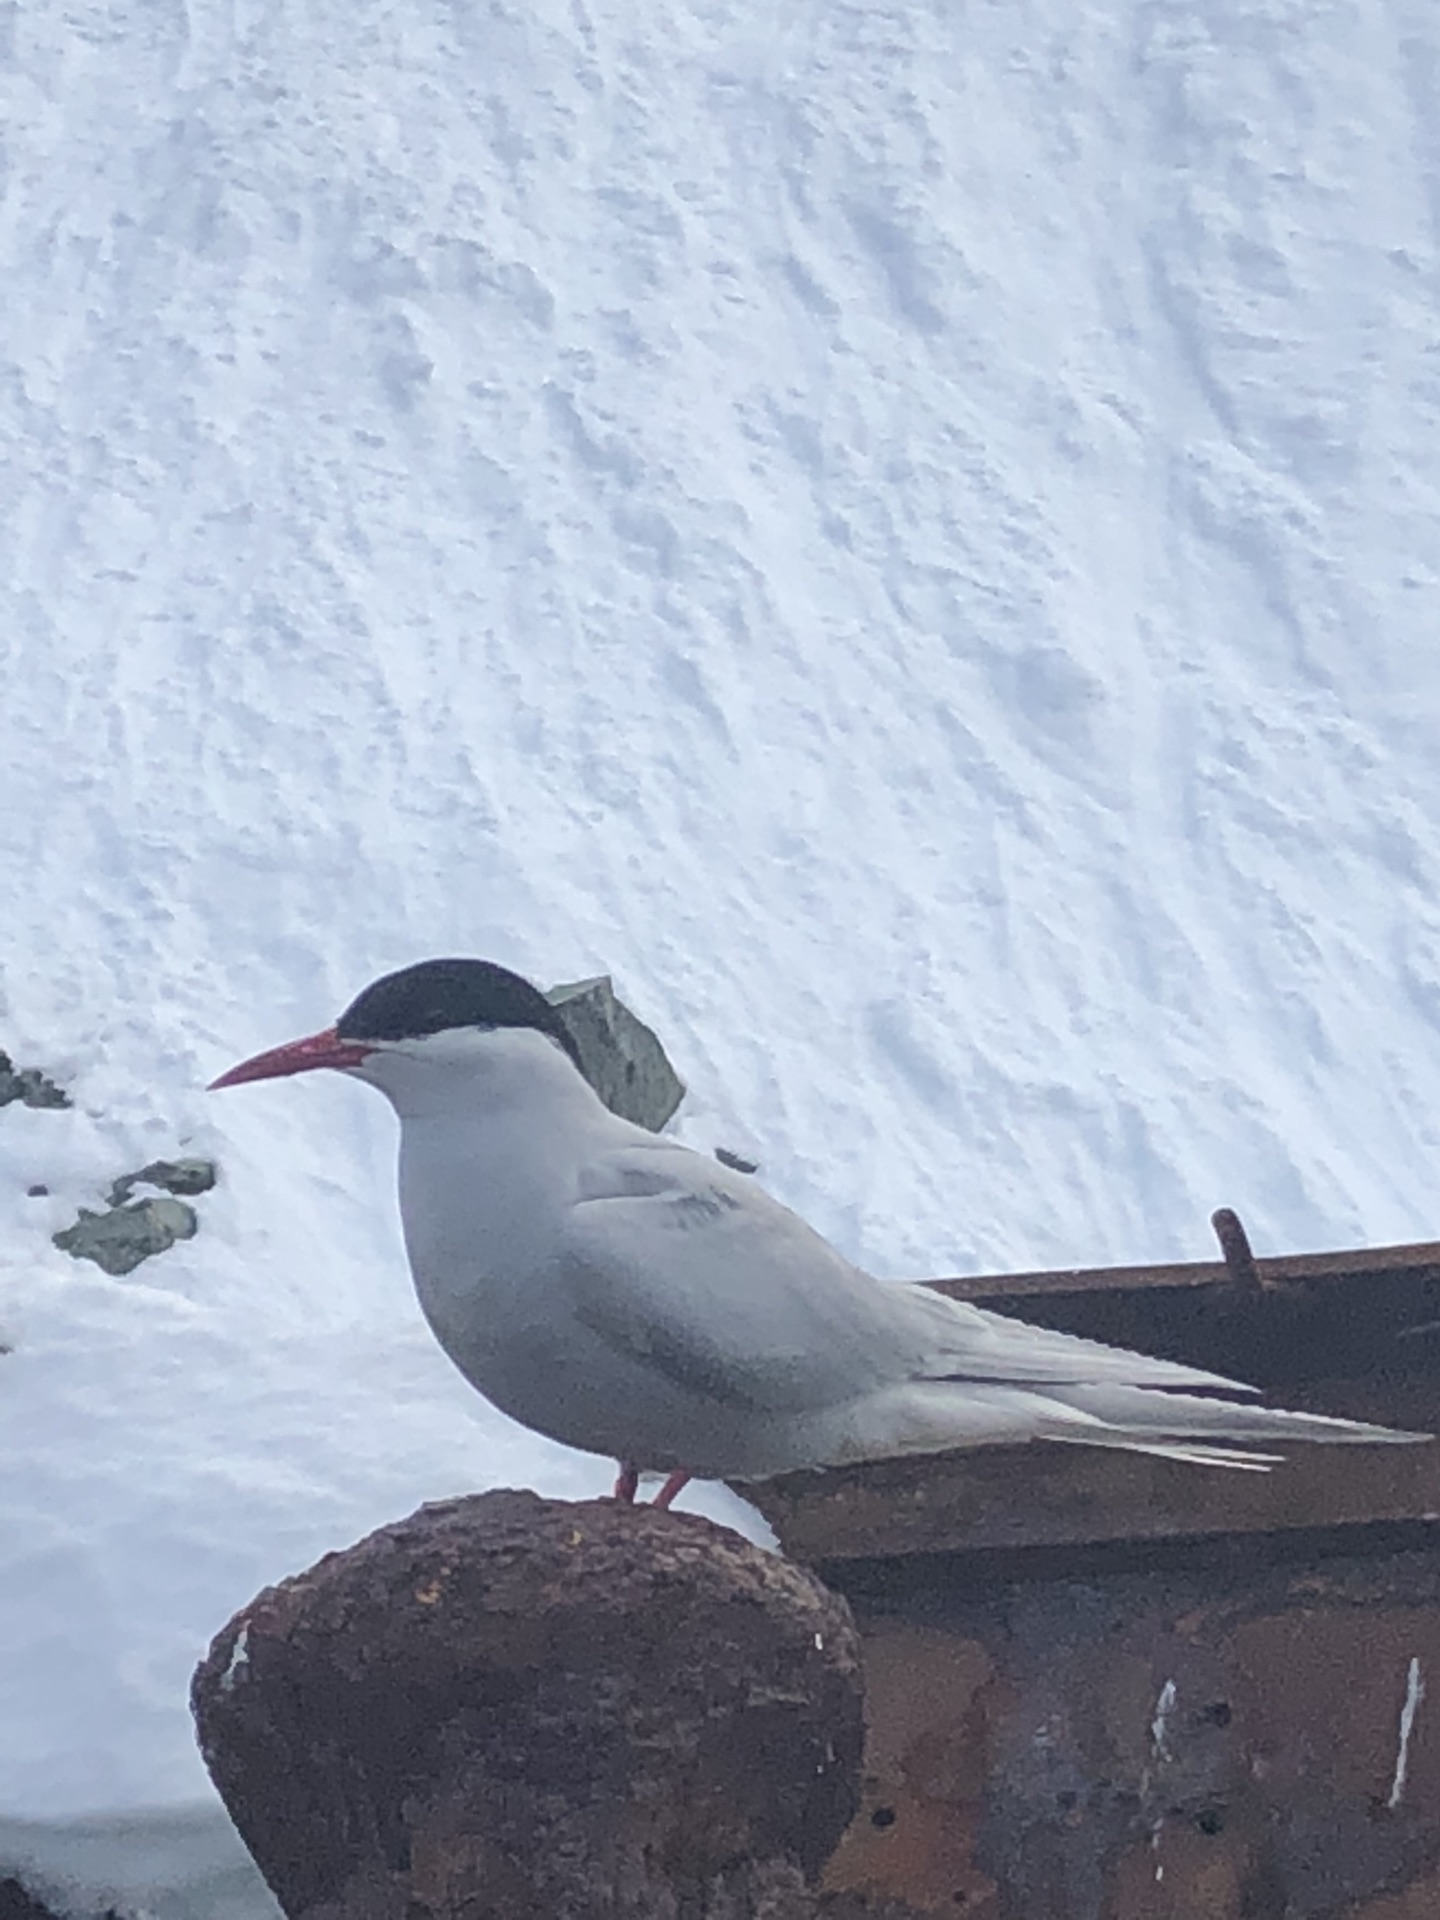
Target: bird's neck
[501, 1075]
[490, 1161]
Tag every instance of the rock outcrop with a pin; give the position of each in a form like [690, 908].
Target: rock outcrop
[119, 1239]
[30, 1085]
[130, 1231]
[621, 1057]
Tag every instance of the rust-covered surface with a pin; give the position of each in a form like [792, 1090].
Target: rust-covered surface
[508, 1708]
[1184, 1744]
[1008, 1499]
[1110, 1688]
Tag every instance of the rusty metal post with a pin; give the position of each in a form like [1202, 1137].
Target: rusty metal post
[1235, 1249]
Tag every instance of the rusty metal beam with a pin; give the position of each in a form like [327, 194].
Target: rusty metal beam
[1007, 1499]
[1352, 1333]
[1418, 1262]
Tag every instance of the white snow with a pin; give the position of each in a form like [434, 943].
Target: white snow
[907, 534]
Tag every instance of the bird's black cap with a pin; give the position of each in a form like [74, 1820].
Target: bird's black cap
[435, 995]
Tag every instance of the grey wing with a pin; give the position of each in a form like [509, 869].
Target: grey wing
[963, 1342]
[697, 1273]
[700, 1274]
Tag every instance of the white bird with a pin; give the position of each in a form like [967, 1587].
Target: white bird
[625, 1295]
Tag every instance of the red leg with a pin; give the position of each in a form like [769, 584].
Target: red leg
[627, 1483]
[674, 1485]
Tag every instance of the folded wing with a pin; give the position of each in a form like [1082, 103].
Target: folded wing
[704, 1276]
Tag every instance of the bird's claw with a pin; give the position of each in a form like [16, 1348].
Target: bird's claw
[627, 1485]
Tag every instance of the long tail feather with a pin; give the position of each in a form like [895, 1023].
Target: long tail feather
[938, 1416]
[1195, 1456]
[1142, 1414]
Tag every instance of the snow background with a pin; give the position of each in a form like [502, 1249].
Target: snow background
[907, 535]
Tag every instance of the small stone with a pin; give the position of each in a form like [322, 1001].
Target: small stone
[37, 1192]
[619, 1055]
[737, 1161]
[176, 1176]
[119, 1240]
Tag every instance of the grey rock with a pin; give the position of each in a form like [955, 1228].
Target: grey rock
[18, 1903]
[620, 1056]
[729, 1158]
[28, 1084]
[120, 1239]
[176, 1176]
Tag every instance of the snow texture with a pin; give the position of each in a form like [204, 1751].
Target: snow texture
[906, 534]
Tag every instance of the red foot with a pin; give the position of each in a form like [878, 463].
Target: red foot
[671, 1488]
[627, 1483]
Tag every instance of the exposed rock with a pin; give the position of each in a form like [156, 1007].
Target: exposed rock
[17, 1904]
[120, 1239]
[729, 1158]
[176, 1176]
[29, 1085]
[621, 1057]
[518, 1709]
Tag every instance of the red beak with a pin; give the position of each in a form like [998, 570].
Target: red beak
[298, 1056]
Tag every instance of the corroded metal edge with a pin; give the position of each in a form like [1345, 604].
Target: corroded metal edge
[1326, 1332]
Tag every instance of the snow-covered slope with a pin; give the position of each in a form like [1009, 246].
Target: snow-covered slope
[907, 535]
